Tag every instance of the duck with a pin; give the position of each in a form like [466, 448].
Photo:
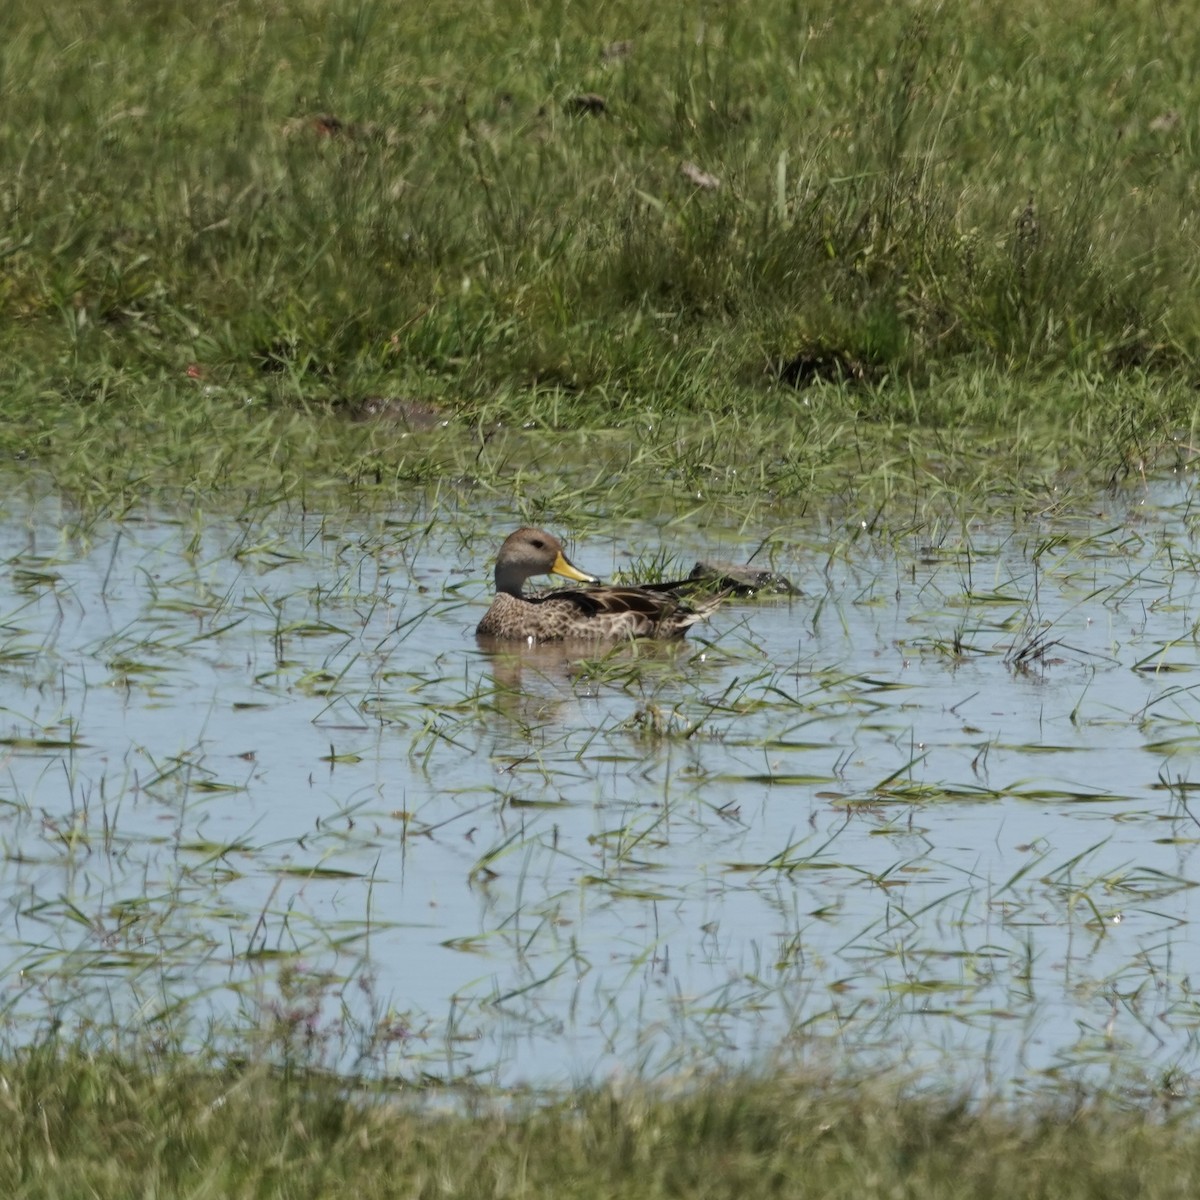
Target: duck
[595, 612]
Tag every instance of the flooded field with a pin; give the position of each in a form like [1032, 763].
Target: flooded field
[933, 813]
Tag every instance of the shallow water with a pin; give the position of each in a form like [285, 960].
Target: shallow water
[933, 813]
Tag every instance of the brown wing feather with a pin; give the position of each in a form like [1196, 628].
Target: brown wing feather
[652, 604]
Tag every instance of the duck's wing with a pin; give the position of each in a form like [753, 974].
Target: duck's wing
[652, 601]
[611, 600]
[672, 587]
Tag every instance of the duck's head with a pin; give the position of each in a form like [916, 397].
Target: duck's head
[530, 552]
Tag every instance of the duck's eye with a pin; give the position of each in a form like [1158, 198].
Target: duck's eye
[538, 544]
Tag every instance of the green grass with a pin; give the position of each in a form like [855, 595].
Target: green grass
[950, 217]
[79, 1125]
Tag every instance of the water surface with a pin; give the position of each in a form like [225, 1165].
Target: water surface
[934, 812]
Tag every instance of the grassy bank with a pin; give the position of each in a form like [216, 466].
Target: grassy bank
[590, 216]
[96, 1126]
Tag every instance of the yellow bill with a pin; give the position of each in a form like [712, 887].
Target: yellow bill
[564, 568]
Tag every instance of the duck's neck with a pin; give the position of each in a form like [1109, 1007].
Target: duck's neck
[509, 580]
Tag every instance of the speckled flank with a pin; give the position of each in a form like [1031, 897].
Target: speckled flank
[598, 613]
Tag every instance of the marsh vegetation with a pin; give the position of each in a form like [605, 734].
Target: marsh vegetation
[974, 222]
[883, 887]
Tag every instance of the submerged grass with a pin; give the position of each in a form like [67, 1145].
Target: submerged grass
[217, 226]
[99, 1125]
[612, 818]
